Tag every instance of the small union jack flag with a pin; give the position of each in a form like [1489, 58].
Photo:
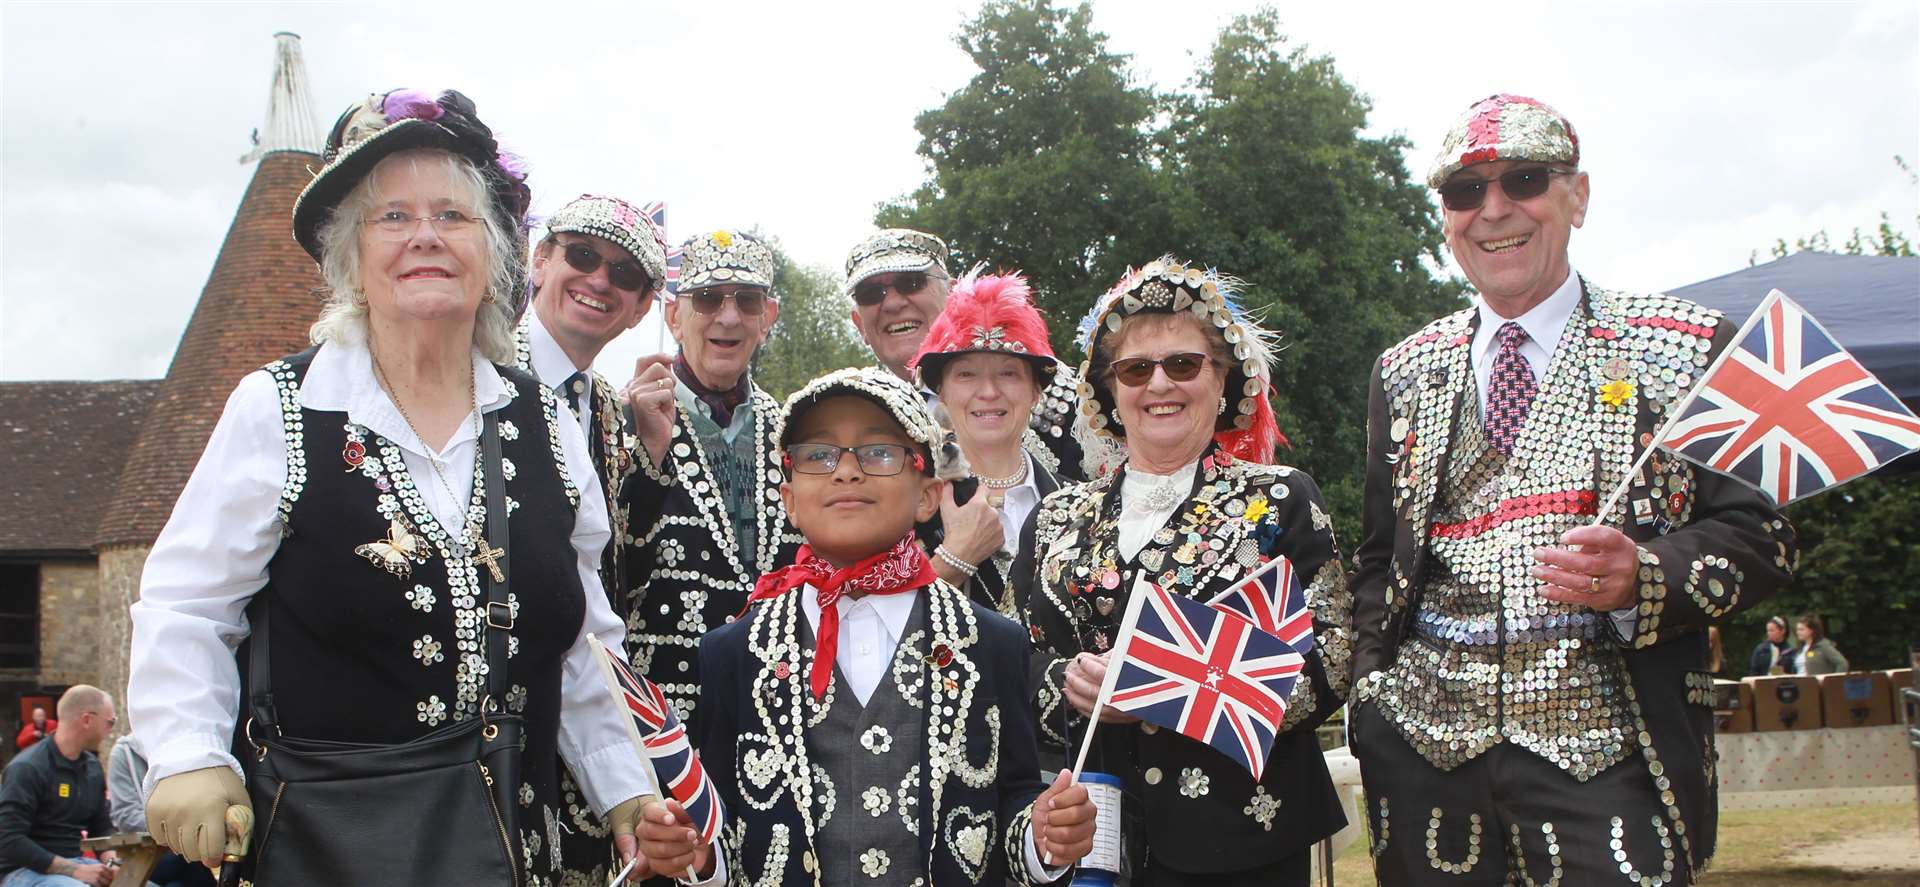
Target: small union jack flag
[658, 733]
[1204, 671]
[1790, 412]
[657, 213]
[1273, 600]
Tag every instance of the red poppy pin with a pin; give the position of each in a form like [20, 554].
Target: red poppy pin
[781, 670]
[353, 454]
[941, 657]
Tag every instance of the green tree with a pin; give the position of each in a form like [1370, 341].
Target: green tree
[813, 334]
[1052, 160]
[1270, 179]
[1039, 162]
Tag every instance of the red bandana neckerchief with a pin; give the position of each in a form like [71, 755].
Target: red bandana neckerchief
[904, 567]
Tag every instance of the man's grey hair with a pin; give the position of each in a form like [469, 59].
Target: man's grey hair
[344, 317]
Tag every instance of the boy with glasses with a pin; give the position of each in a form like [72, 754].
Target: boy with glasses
[865, 722]
[1532, 699]
[705, 517]
[898, 281]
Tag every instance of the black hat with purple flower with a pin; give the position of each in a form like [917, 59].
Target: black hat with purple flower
[387, 123]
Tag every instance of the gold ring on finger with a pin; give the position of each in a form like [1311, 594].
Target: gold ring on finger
[1593, 584]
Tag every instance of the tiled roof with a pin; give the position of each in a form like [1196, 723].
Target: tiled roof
[62, 445]
[257, 306]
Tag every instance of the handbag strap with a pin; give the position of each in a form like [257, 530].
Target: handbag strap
[499, 613]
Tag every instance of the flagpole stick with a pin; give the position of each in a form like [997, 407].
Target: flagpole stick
[625, 871]
[1673, 415]
[1125, 633]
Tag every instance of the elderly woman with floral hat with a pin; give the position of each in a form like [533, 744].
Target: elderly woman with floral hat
[1179, 373]
[987, 359]
[406, 531]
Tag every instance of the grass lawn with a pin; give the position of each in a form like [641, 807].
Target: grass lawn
[1777, 848]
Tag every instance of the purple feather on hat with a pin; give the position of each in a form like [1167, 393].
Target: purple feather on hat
[418, 104]
[512, 164]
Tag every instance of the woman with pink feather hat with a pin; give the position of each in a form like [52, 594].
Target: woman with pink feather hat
[987, 358]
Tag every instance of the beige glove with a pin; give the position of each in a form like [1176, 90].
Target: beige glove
[624, 817]
[188, 812]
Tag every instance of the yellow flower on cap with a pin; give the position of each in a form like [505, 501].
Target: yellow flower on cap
[722, 239]
[1616, 392]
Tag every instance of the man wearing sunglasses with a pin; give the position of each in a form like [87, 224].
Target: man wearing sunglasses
[594, 276]
[705, 517]
[1532, 700]
[898, 281]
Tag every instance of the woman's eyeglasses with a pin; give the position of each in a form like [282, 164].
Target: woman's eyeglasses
[627, 275]
[878, 460]
[872, 292]
[396, 225]
[1466, 192]
[1136, 371]
[751, 301]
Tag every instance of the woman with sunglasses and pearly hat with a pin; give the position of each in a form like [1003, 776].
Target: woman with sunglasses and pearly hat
[987, 360]
[406, 533]
[1177, 372]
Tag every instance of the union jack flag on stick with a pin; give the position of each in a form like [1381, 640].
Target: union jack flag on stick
[658, 734]
[657, 213]
[1202, 670]
[1787, 411]
[1273, 599]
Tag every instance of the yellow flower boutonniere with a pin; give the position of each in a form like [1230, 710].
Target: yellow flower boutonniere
[1616, 392]
[1256, 509]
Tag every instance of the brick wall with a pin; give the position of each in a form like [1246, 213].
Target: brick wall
[72, 642]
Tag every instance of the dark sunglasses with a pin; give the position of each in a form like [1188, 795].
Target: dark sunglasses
[877, 460]
[873, 292]
[628, 276]
[1524, 183]
[751, 302]
[1136, 371]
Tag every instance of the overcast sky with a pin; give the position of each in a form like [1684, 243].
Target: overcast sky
[1709, 129]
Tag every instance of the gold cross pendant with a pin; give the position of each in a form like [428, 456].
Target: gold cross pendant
[490, 556]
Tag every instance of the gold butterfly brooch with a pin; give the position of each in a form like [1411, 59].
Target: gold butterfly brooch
[395, 554]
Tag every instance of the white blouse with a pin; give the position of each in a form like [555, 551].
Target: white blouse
[1148, 501]
[183, 691]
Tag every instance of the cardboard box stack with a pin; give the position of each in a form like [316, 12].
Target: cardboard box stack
[1785, 702]
[1856, 699]
[1732, 707]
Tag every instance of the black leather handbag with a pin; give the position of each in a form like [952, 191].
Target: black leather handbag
[438, 809]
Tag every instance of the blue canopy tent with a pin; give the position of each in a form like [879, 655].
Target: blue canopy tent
[1870, 303]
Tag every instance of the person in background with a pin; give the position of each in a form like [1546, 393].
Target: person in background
[1716, 651]
[54, 791]
[1772, 655]
[703, 510]
[126, 768]
[35, 730]
[899, 282]
[987, 359]
[1816, 654]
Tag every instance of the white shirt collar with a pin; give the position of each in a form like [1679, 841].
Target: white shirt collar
[551, 365]
[1544, 323]
[894, 609]
[341, 379]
